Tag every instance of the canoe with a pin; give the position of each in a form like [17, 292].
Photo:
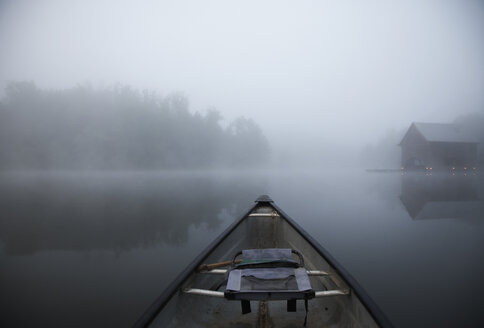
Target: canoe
[264, 270]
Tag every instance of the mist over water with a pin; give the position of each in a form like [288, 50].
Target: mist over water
[316, 76]
[133, 133]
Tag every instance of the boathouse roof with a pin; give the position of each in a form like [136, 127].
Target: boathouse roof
[439, 132]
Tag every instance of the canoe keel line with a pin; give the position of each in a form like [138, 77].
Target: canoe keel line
[264, 257]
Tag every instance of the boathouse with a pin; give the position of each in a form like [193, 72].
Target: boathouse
[437, 146]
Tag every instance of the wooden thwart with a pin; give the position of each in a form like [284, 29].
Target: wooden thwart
[310, 272]
[214, 293]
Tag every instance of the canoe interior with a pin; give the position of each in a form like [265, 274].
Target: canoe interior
[262, 231]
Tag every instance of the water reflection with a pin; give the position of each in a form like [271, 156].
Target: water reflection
[97, 248]
[112, 211]
[442, 196]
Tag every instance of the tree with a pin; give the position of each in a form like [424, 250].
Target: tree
[118, 128]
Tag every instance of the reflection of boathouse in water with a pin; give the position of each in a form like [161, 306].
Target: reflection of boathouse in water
[435, 197]
[438, 146]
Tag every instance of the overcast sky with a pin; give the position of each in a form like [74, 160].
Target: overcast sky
[345, 70]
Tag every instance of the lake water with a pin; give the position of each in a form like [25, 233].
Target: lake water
[95, 249]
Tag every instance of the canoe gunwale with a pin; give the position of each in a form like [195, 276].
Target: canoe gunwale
[365, 299]
[155, 308]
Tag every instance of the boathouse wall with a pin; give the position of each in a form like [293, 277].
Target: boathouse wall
[418, 151]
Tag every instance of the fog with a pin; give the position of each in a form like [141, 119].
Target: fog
[321, 78]
[133, 133]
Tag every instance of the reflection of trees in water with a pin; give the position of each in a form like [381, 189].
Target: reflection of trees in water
[112, 212]
[433, 197]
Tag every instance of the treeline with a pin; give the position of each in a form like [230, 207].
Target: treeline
[118, 128]
[384, 153]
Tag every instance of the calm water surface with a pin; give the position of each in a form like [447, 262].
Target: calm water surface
[95, 249]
